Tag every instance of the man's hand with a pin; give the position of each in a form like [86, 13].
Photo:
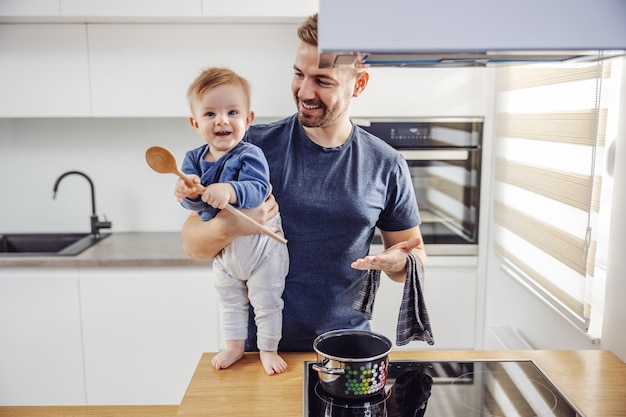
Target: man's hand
[393, 260]
[262, 214]
[205, 240]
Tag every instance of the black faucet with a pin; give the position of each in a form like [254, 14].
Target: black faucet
[96, 224]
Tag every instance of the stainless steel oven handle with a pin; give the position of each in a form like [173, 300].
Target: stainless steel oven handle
[435, 154]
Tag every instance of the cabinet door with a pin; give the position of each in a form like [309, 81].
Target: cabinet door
[255, 8]
[29, 8]
[43, 71]
[145, 330]
[145, 70]
[41, 357]
[131, 8]
[450, 297]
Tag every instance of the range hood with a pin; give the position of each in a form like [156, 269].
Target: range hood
[451, 33]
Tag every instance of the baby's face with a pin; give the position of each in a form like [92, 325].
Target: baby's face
[222, 117]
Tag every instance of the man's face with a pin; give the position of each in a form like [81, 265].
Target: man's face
[321, 94]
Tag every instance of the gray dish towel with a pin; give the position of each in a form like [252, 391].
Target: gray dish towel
[413, 320]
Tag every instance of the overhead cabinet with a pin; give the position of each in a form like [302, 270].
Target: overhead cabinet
[44, 71]
[165, 9]
[137, 70]
[144, 70]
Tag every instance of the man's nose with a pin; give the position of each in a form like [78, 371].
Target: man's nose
[306, 90]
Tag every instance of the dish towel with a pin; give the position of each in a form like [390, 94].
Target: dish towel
[413, 320]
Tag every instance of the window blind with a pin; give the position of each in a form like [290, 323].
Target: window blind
[550, 135]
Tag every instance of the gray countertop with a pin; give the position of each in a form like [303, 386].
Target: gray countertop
[155, 249]
[141, 249]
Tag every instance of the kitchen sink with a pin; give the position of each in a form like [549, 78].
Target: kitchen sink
[46, 244]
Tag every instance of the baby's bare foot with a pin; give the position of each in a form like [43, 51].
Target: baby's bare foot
[272, 362]
[226, 358]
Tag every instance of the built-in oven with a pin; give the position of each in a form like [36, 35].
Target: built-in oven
[444, 158]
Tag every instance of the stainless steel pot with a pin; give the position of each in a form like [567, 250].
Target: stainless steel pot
[352, 363]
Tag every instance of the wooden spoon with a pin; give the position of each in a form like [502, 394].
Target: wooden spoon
[162, 160]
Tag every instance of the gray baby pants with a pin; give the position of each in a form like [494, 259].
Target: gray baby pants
[252, 270]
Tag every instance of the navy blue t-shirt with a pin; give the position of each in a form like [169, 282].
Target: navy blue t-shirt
[331, 200]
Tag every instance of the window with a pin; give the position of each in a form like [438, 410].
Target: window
[552, 201]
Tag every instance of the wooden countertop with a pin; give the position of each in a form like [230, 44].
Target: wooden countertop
[90, 411]
[136, 249]
[594, 380]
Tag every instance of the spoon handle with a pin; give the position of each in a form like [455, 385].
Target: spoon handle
[254, 223]
[236, 212]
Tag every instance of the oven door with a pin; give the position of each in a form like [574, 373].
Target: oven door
[446, 183]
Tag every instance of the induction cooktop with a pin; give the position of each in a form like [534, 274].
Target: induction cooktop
[447, 389]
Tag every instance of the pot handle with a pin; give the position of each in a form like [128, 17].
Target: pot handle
[330, 371]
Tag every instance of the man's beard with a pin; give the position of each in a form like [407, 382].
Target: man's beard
[308, 120]
[326, 119]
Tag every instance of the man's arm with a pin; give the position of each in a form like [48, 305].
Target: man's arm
[203, 241]
[393, 260]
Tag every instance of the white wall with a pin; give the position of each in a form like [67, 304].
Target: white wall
[34, 152]
[613, 334]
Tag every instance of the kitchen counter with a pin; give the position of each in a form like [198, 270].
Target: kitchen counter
[142, 249]
[594, 380]
[146, 249]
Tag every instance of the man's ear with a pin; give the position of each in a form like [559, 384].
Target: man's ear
[361, 82]
[192, 122]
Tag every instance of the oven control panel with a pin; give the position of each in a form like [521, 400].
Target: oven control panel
[436, 133]
[410, 133]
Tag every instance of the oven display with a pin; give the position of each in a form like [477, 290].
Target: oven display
[409, 133]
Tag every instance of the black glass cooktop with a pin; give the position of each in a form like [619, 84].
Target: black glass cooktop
[447, 389]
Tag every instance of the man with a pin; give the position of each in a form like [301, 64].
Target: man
[335, 183]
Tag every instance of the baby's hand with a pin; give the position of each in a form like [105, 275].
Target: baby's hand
[219, 195]
[182, 189]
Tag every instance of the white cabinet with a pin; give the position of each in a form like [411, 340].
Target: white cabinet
[138, 70]
[450, 297]
[41, 356]
[130, 8]
[145, 70]
[255, 8]
[103, 336]
[29, 8]
[44, 71]
[163, 9]
[145, 330]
